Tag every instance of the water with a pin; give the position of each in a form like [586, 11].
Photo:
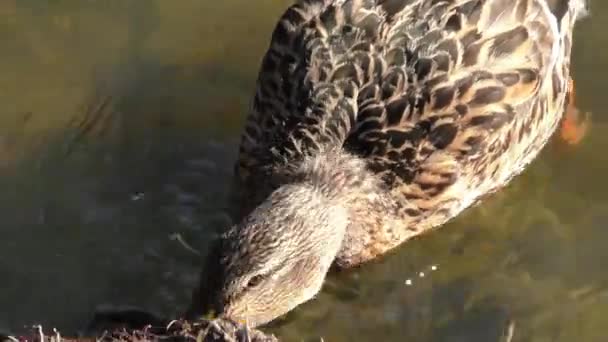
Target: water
[87, 207]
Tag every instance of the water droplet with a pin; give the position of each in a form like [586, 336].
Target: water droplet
[137, 196]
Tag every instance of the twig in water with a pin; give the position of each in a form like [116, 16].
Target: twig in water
[226, 336]
[102, 337]
[248, 339]
[178, 237]
[39, 327]
[171, 324]
[510, 332]
[203, 333]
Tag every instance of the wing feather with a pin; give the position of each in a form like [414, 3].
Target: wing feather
[427, 91]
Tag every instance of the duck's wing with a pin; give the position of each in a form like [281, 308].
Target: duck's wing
[425, 90]
[297, 105]
[482, 90]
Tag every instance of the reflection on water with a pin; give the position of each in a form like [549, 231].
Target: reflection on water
[87, 206]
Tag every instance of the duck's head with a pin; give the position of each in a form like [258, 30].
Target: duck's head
[276, 259]
[278, 256]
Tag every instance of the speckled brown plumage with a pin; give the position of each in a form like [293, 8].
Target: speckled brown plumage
[407, 111]
[446, 100]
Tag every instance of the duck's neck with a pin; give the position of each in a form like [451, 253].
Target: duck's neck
[343, 178]
[337, 175]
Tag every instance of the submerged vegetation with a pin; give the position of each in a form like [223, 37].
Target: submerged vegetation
[176, 331]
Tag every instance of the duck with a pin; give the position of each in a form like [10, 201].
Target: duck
[375, 121]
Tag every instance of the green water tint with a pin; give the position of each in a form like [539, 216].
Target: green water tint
[86, 216]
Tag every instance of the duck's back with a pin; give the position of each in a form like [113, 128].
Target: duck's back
[428, 92]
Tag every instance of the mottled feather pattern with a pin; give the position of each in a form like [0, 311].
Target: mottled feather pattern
[444, 100]
[240, 255]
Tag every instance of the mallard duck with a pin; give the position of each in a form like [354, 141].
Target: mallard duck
[374, 121]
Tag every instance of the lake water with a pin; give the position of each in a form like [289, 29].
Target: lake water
[110, 110]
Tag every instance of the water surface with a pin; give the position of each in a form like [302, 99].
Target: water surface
[88, 202]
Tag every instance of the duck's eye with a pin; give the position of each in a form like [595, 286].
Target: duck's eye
[255, 280]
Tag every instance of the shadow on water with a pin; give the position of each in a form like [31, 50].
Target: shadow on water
[89, 202]
[115, 183]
